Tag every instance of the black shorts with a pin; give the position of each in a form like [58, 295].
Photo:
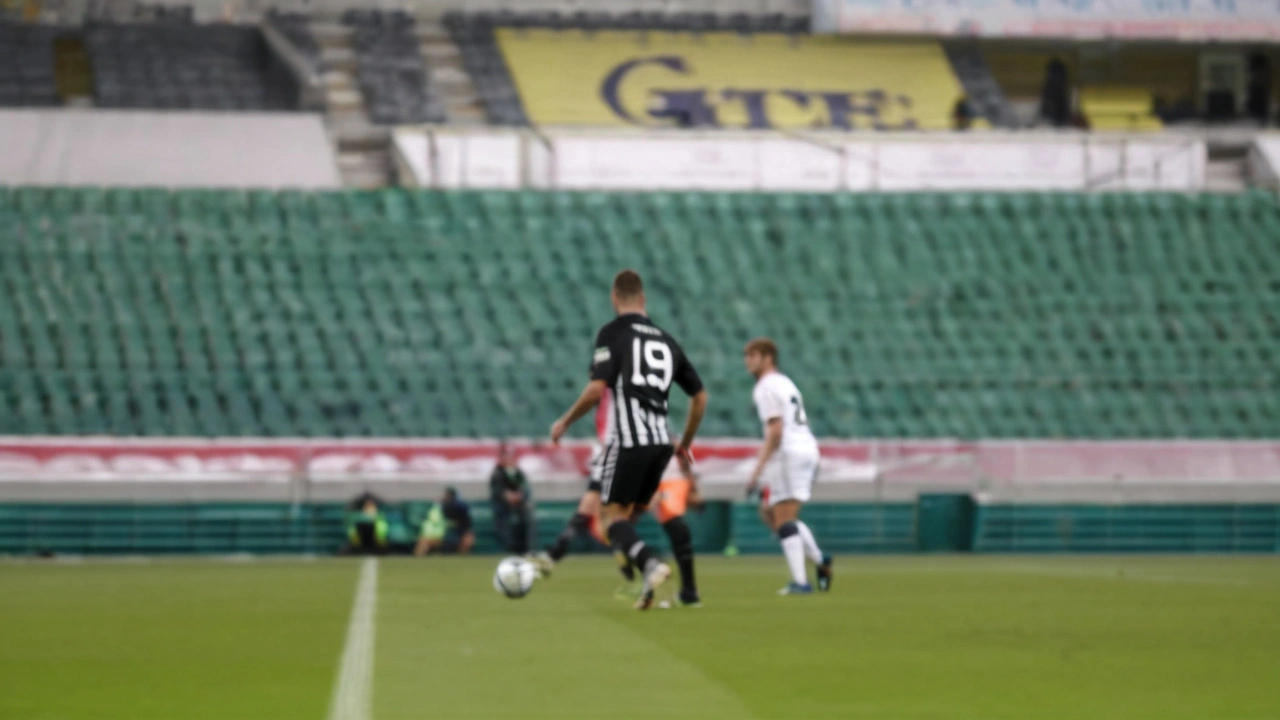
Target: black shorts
[631, 475]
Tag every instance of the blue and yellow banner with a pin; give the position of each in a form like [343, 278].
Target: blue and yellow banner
[729, 80]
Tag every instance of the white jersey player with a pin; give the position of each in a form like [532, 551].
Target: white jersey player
[789, 462]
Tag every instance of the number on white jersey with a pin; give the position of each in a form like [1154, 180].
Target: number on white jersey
[801, 417]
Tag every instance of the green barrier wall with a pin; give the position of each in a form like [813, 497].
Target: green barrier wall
[840, 528]
[936, 523]
[113, 529]
[1128, 528]
[944, 522]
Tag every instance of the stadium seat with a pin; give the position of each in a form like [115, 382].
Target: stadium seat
[166, 65]
[27, 65]
[1119, 108]
[469, 313]
[391, 71]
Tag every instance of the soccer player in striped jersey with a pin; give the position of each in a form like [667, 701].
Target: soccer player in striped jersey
[639, 362]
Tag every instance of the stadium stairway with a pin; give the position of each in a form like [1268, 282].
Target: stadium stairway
[984, 93]
[385, 68]
[396, 313]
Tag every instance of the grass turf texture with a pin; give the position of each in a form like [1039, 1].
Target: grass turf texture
[908, 637]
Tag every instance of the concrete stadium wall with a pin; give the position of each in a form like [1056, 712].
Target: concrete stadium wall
[118, 148]
[214, 10]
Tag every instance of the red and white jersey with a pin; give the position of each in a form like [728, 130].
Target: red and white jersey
[604, 418]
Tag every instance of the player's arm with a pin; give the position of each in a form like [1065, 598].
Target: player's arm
[772, 440]
[697, 408]
[685, 461]
[687, 378]
[589, 398]
[604, 370]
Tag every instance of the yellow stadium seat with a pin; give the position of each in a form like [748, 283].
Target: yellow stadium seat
[1124, 109]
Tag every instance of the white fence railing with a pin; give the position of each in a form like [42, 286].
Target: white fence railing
[1264, 161]
[1184, 20]
[444, 157]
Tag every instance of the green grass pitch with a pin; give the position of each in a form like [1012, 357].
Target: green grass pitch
[975, 638]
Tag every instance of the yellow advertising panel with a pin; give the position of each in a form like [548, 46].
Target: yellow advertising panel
[729, 80]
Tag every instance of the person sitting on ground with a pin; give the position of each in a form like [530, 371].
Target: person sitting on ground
[447, 528]
[366, 525]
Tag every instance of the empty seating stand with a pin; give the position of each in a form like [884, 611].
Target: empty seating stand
[178, 66]
[296, 28]
[391, 70]
[487, 68]
[26, 65]
[392, 313]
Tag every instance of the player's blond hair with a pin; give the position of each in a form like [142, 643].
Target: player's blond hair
[764, 346]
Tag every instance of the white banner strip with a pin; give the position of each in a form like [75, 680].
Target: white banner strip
[786, 162]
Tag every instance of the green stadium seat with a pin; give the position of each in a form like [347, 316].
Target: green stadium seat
[468, 313]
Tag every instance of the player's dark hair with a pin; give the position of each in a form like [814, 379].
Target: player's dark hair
[627, 285]
[765, 347]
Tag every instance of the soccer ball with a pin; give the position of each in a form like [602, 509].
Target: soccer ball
[514, 577]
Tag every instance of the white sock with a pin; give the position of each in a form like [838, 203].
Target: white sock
[793, 548]
[811, 549]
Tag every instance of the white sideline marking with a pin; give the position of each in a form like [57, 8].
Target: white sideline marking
[353, 688]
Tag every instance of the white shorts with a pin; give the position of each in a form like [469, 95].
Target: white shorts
[791, 476]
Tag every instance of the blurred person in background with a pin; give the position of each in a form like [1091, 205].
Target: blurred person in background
[447, 529]
[510, 497]
[366, 525]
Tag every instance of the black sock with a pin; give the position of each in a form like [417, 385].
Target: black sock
[682, 547]
[624, 566]
[624, 538]
[577, 524]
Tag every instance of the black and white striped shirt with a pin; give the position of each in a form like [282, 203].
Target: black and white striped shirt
[639, 362]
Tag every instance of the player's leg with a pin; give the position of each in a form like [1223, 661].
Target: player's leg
[624, 539]
[579, 524]
[785, 511]
[588, 512]
[803, 473]
[630, 589]
[821, 561]
[784, 508]
[672, 504]
[631, 480]
[811, 550]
